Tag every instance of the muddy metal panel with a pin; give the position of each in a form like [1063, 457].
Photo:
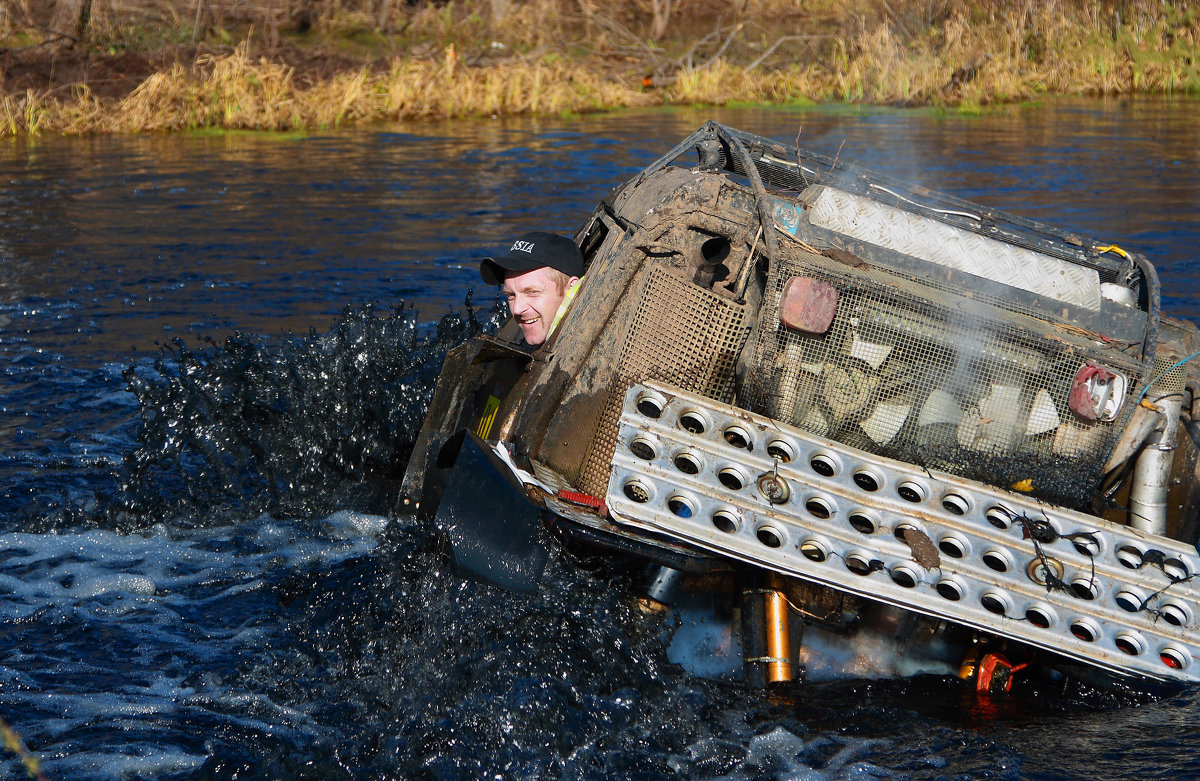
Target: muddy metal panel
[474, 377]
[680, 333]
[670, 310]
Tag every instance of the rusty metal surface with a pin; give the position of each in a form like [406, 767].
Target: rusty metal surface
[631, 321]
[680, 334]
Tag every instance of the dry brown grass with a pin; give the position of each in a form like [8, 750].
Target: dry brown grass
[238, 92]
[447, 65]
[974, 58]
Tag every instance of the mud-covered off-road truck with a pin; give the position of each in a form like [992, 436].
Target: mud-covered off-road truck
[863, 410]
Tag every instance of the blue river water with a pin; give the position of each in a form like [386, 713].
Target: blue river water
[214, 350]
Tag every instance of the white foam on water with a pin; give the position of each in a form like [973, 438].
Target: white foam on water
[346, 524]
[782, 755]
[69, 569]
[704, 643]
[112, 635]
[828, 656]
[136, 762]
[781, 751]
[779, 743]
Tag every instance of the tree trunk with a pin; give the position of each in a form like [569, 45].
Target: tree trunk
[661, 11]
[499, 10]
[70, 21]
[384, 20]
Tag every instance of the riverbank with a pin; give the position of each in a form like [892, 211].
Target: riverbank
[208, 68]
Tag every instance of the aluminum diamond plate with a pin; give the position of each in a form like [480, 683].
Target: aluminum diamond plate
[886, 226]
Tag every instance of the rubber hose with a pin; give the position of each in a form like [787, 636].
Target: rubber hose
[1154, 310]
[760, 193]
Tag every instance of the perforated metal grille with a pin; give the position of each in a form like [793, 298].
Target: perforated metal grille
[681, 334]
[1169, 377]
[935, 378]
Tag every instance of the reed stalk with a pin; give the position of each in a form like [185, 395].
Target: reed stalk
[12, 741]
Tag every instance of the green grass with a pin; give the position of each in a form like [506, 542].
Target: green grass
[267, 135]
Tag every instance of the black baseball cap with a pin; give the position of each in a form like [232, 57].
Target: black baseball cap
[534, 250]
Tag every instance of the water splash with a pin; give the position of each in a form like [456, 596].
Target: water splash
[294, 427]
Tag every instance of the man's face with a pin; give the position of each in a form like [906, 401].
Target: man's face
[533, 298]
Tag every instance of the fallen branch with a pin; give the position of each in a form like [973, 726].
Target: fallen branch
[771, 49]
[728, 40]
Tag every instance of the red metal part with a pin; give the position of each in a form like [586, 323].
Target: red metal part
[1083, 400]
[584, 500]
[994, 674]
[808, 305]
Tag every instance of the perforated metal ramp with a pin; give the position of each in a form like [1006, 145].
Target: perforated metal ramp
[773, 495]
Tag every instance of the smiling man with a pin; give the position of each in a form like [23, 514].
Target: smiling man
[539, 276]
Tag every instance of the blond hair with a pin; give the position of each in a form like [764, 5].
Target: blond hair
[559, 278]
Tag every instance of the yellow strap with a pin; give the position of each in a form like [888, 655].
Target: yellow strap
[1114, 248]
[489, 417]
[564, 306]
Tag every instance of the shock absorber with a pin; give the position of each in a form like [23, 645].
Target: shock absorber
[766, 636]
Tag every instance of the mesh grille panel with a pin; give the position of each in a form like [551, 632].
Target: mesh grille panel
[935, 378]
[681, 334]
